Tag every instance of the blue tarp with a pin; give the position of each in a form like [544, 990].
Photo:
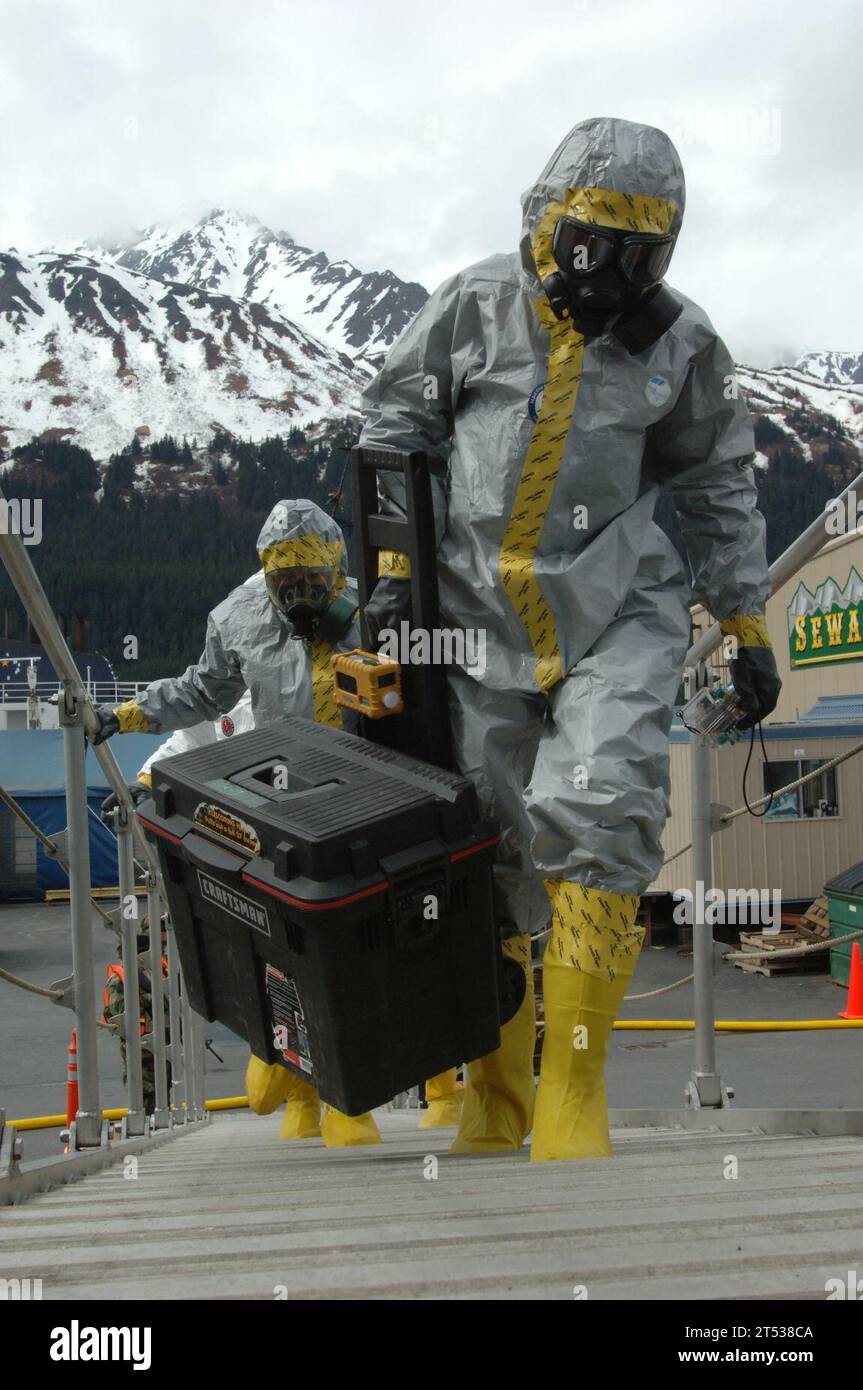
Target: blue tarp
[31, 769]
[49, 813]
[31, 760]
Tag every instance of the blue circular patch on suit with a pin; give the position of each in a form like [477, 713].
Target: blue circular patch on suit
[534, 404]
[658, 390]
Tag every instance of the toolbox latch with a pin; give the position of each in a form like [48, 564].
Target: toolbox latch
[207, 855]
[419, 892]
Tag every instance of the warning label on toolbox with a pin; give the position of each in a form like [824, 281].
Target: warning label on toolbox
[289, 1022]
[235, 903]
[229, 827]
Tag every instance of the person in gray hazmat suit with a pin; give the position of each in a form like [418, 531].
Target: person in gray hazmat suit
[275, 636]
[554, 391]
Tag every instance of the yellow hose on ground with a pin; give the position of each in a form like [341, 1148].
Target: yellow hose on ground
[738, 1025]
[58, 1121]
[627, 1025]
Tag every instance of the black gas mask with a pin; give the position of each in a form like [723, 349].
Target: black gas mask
[610, 281]
[303, 594]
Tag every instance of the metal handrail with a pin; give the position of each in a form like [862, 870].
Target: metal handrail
[705, 1088]
[804, 548]
[77, 718]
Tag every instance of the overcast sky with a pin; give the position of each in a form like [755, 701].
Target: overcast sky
[402, 136]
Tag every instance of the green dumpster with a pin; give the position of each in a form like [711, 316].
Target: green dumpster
[845, 904]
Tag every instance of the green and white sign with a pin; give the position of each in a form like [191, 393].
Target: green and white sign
[824, 627]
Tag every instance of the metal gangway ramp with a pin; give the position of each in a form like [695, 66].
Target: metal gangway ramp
[229, 1211]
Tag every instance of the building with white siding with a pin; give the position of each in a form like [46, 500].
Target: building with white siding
[809, 835]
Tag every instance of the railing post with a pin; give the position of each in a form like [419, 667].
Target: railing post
[705, 1087]
[135, 1122]
[161, 1114]
[178, 1074]
[188, 1053]
[87, 1127]
[200, 1065]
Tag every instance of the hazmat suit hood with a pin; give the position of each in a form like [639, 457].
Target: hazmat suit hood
[251, 648]
[303, 555]
[603, 154]
[299, 532]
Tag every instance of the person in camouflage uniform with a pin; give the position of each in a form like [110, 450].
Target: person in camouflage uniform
[114, 1004]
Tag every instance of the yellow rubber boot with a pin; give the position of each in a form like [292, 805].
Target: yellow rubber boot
[340, 1131]
[587, 965]
[445, 1098]
[500, 1092]
[302, 1117]
[267, 1085]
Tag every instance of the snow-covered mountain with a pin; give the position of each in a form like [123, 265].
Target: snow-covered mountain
[806, 407]
[91, 352]
[222, 323]
[228, 253]
[833, 368]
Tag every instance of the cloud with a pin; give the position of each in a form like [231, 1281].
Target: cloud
[403, 136]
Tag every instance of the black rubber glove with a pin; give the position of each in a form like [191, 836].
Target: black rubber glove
[389, 604]
[109, 724]
[137, 791]
[756, 683]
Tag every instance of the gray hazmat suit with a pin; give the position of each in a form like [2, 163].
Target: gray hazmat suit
[249, 645]
[547, 455]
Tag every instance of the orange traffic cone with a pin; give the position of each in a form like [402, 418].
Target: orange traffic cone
[854, 1007]
[71, 1083]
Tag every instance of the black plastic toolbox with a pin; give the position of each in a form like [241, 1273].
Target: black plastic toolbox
[332, 903]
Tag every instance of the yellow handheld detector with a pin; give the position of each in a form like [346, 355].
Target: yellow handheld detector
[368, 683]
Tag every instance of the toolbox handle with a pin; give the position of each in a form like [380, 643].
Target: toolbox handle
[411, 875]
[209, 856]
[420, 725]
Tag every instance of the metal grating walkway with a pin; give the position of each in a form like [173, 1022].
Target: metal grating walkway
[232, 1212]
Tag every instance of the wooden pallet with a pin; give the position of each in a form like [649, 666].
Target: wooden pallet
[796, 936]
[817, 919]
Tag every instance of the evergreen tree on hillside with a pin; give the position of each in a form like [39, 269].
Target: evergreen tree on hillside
[220, 443]
[119, 476]
[791, 493]
[153, 565]
[165, 450]
[65, 472]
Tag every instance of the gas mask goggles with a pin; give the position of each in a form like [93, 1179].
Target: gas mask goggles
[610, 281]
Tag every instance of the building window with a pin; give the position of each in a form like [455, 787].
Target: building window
[813, 801]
